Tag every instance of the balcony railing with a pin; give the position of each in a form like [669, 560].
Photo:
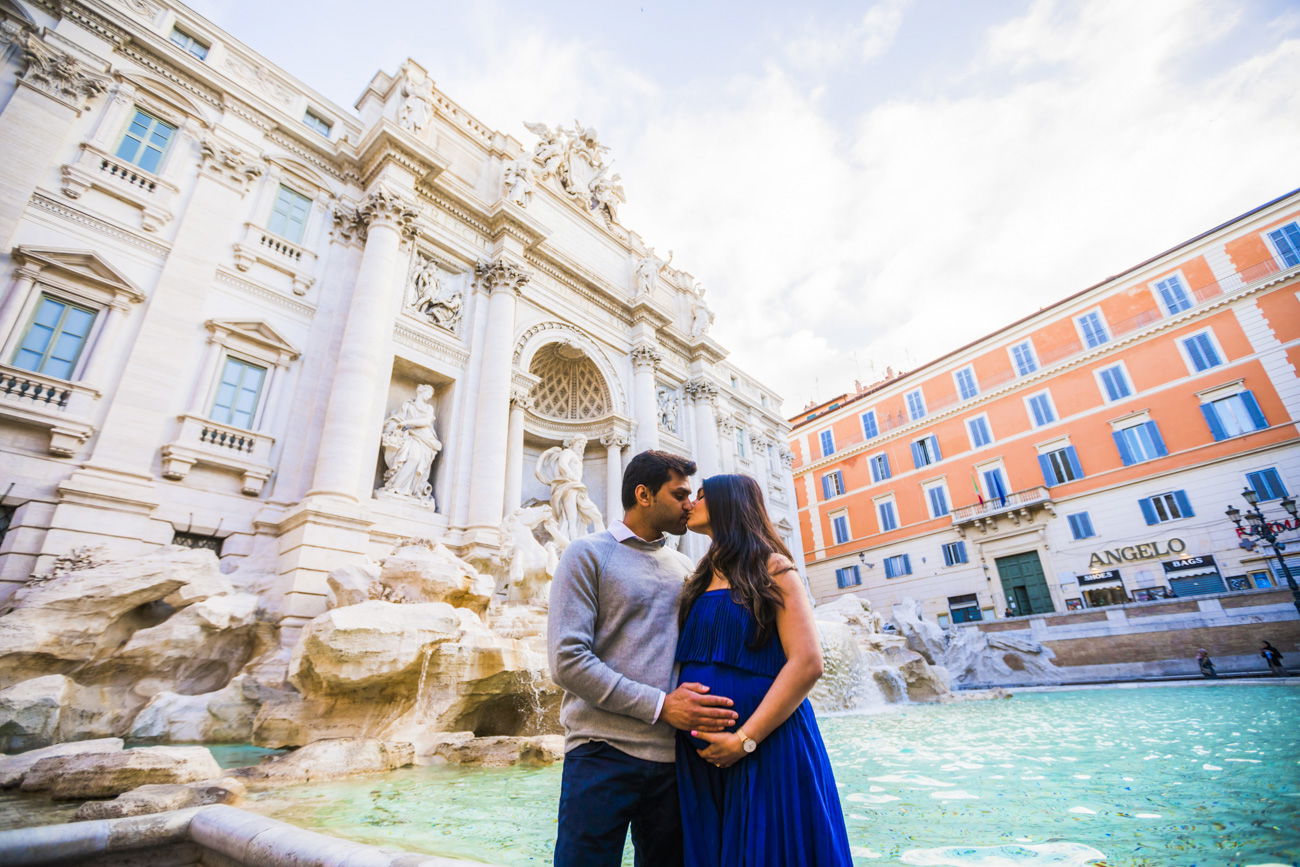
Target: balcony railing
[97, 169]
[995, 505]
[204, 441]
[261, 245]
[62, 407]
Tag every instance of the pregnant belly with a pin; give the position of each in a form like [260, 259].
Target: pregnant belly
[744, 688]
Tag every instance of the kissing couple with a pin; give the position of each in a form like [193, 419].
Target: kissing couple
[685, 709]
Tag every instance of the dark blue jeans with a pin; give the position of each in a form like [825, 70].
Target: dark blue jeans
[605, 790]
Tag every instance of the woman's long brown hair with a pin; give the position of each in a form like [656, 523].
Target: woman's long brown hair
[743, 540]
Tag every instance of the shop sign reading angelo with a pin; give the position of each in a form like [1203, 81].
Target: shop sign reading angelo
[1129, 553]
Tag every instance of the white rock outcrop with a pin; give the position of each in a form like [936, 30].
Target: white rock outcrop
[327, 760]
[222, 716]
[108, 774]
[14, 768]
[159, 797]
[419, 572]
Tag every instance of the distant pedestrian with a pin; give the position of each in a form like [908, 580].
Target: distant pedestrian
[1008, 612]
[1205, 663]
[1273, 657]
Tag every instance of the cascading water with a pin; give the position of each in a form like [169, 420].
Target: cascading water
[854, 678]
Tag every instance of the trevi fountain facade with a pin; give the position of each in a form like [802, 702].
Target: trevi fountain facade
[299, 405]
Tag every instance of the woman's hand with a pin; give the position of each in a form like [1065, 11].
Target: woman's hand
[724, 748]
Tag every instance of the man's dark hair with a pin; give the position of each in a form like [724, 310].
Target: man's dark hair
[653, 469]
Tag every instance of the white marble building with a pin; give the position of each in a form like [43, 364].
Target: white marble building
[223, 294]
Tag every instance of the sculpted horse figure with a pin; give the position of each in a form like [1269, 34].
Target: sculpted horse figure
[528, 564]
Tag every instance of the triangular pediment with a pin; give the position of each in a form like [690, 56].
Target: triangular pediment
[77, 266]
[256, 331]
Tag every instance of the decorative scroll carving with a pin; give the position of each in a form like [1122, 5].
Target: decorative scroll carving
[501, 275]
[612, 440]
[58, 73]
[229, 164]
[787, 458]
[347, 221]
[645, 355]
[522, 397]
[431, 297]
[384, 207]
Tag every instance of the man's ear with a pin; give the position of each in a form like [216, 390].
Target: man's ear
[643, 495]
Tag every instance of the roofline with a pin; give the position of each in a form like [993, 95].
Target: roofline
[1022, 320]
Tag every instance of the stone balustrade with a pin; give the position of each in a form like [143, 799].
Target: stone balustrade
[204, 441]
[97, 169]
[262, 245]
[63, 408]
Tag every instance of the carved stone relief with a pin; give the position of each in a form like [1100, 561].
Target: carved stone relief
[58, 73]
[517, 182]
[575, 158]
[431, 295]
[669, 401]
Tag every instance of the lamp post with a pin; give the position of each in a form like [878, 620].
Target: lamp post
[1260, 529]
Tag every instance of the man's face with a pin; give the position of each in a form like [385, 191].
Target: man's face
[671, 506]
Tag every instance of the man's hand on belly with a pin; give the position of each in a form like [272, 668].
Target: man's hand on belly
[689, 707]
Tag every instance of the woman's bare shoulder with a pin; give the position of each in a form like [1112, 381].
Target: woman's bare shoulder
[779, 564]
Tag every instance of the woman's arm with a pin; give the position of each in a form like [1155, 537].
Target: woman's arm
[803, 652]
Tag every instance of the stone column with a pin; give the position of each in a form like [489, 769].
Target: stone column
[520, 401]
[54, 89]
[645, 358]
[350, 432]
[729, 459]
[502, 282]
[614, 445]
[11, 306]
[704, 395]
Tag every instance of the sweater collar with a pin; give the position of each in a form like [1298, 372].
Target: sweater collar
[623, 533]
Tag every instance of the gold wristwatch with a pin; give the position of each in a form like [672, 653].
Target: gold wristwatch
[747, 743]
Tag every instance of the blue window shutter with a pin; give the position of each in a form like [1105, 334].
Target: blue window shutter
[1073, 457]
[1184, 505]
[1121, 443]
[907, 564]
[1252, 409]
[917, 461]
[934, 444]
[826, 487]
[1148, 511]
[961, 552]
[1212, 419]
[1156, 438]
[884, 459]
[1049, 475]
[1074, 525]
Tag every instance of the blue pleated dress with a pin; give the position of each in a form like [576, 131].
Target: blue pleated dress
[777, 806]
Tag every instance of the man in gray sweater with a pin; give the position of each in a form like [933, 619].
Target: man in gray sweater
[612, 638]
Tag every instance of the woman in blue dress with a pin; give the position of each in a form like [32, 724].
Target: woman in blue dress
[763, 795]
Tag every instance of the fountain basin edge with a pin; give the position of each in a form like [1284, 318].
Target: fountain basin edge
[179, 838]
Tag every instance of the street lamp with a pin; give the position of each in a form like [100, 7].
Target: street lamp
[1262, 530]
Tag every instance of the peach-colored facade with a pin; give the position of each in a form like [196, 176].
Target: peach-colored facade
[1158, 394]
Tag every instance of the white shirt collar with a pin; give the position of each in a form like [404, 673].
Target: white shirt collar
[622, 532]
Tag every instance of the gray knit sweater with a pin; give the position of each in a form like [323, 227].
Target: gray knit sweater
[612, 635]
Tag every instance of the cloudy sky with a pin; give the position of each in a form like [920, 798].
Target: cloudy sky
[863, 184]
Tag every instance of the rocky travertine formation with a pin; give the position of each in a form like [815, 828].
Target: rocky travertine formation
[329, 759]
[107, 774]
[225, 715]
[462, 748]
[158, 797]
[14, 768]
[972, 656]
[423, 571]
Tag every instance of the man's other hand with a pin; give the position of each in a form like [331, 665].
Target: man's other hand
[690, 706]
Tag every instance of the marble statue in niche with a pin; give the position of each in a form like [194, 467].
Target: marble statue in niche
[431, 297]
[416, 109]
[410, 444]
[560, 468]
[517, 183]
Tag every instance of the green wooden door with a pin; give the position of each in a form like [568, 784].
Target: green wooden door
[1024, 584]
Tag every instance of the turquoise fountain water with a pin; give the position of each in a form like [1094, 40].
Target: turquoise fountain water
[1153, 777]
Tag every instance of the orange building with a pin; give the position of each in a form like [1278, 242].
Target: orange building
[1080, 457]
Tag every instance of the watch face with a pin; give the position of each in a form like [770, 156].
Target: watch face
[749, 745]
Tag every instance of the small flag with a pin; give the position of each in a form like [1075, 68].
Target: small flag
[975, 482]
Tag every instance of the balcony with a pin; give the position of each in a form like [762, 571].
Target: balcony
[57, 405]
[100, 170]
[268, 248]
[1018, 507]
[203, 441]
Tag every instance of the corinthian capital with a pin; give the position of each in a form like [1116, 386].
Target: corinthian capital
[229, 164]
[613, 440]
[56, 72]
[522, 397]
[386, 208]
[500, 276]
[646, 355]
[700, 390]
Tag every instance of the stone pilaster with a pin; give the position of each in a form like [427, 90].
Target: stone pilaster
[354, 417]
[54, 88]
[645, 360]
[521, 400]
[704, 395]
[502, 282]
[614, 444]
